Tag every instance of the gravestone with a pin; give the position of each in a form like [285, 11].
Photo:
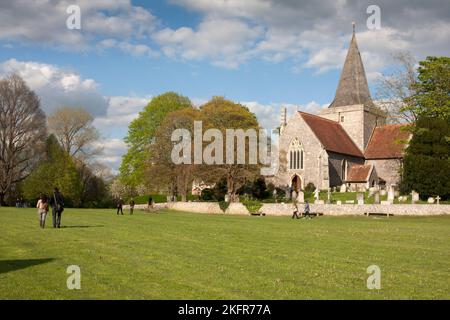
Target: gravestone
[430, 200]
[360, 198]
[339, 202]
[414, 197]
[391, 194]
[383, 192]
[316, 194]
[300, 197]
[319, 202]
[329, 195]
[386, 203]
[350, 201]
[437, 199]
[376, 199]
[343, 188]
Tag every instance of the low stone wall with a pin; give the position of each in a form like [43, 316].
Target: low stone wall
[277, 209]
[281, 209]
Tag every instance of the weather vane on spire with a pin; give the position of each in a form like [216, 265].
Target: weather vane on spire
[354, 26]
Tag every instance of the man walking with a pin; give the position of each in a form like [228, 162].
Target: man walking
[119, 206]
[131, 206]
[57, 203]
[295, 213]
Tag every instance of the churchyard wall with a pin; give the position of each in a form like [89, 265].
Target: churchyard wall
[285, 209]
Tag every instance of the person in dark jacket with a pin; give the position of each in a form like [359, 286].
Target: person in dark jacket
[132, 203]
[57, 203]
[119, 206]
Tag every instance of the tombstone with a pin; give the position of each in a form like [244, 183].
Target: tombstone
[300, 197]
[316, 194]
[437, 199]
[391, 194]
[414, 197]
[227, 198]
[383, 192]
[386, 203]
[350, 201]
[339, 202]
[319, 202]
[430, 200]
[371, 191]
[329, 195]
[360, 198]
[402, 198]
[343, 188]
[376, 199]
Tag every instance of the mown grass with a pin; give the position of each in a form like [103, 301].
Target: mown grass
[174, 255]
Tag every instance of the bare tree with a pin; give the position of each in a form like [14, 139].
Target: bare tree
[74, 130]
[395, 89]
[22, 132]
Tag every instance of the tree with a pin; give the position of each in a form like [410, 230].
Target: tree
[22, 132]
[161, 171]
[57, 169]
[395, 89]
[142, 131]
[431, 97]
[426, 164]
[74, 130]
[223, 114]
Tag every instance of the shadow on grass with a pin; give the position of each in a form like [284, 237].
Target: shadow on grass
[64, 227]
[13, 265]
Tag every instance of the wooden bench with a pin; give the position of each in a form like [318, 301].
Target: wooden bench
[378, 214]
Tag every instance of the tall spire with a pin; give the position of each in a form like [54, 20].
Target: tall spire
[352, 88]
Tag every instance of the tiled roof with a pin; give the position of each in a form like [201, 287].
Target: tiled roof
[385, 142]
[359, 173]
[331, 134]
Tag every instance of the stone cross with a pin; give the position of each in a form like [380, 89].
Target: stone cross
[437, 199]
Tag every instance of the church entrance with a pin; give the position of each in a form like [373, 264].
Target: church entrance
[296, 183]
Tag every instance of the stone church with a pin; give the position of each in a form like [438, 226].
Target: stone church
[348, 143]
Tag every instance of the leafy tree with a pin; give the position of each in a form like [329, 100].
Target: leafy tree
[223, 114]
[22, 133]
[431, 96]
[162, 172]
[142, 131]
[426, 163]
[57, 169]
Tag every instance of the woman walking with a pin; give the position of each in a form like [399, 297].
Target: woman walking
[42, 206]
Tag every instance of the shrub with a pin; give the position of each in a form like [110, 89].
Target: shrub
[310, 187]
[252, 206]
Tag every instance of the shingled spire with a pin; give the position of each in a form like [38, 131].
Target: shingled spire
[352, 88]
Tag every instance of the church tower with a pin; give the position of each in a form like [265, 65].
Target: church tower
[352, 106]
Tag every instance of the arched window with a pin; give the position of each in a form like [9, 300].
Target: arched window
[296, 155]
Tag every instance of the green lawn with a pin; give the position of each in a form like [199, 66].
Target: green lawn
[181, 255]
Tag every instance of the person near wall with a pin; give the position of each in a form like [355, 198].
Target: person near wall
[132, 203]
[120, 206]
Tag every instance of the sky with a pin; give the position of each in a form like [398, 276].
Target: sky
[262, 53]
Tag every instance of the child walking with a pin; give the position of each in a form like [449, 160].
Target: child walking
[42, 206]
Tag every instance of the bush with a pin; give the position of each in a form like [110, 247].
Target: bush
[252, 206]
[310, 187]
[224, 205]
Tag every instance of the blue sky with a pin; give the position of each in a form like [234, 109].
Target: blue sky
[262, 53]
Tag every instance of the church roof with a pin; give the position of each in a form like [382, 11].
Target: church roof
[359, 173]
[385, 142]
[352, 88]
[331, 135]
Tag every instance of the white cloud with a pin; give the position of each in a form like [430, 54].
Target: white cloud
[113, 149]
[226, 42]
[57, 87]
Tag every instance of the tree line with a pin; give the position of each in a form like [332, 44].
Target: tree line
[38, 153]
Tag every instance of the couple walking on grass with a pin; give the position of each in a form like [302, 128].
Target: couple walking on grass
[57, 204]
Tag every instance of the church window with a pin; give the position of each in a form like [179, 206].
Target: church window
[296, 155]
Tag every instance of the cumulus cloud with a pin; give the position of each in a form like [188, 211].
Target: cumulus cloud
[113, 149]
[58, 87]
[45, 22]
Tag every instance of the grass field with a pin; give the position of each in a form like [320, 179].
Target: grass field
[192, 256]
